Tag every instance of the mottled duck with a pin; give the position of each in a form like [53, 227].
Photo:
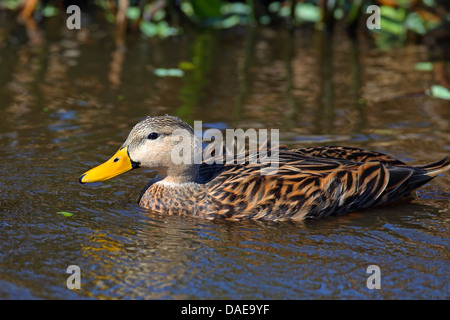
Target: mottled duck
[308, 183]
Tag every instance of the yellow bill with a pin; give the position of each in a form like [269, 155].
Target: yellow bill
[119, 163]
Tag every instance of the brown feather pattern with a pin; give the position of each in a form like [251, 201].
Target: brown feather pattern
[310, 183]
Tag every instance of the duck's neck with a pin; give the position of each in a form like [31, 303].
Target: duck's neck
[174, 181]
[177, 176]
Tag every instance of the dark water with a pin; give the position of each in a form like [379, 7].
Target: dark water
[68, 103]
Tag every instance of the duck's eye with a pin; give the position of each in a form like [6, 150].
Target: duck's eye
[153, 136]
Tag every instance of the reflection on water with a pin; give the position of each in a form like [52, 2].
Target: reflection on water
[68, 102]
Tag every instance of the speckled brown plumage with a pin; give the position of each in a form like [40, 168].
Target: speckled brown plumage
[310, 183]
[306, 183]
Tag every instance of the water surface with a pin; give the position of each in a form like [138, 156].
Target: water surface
[68, 104]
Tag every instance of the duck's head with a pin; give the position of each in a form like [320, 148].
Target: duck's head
[164, 143]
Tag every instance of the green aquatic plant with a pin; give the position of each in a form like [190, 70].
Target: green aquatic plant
[399, 19]
[398, 23]
[65, 213]
[438, 91]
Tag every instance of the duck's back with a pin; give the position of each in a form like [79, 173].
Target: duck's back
[305, 183]
[309, 183]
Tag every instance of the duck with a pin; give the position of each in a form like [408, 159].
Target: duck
[298, 184]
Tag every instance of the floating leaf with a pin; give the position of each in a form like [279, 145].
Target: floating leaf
[65, 214]
[160, 72]
[440, 92]
[423, 66]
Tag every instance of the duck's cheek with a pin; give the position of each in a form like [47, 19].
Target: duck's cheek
[119, 163]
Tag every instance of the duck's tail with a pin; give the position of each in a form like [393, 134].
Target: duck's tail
[405, 179]
[436, 168]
